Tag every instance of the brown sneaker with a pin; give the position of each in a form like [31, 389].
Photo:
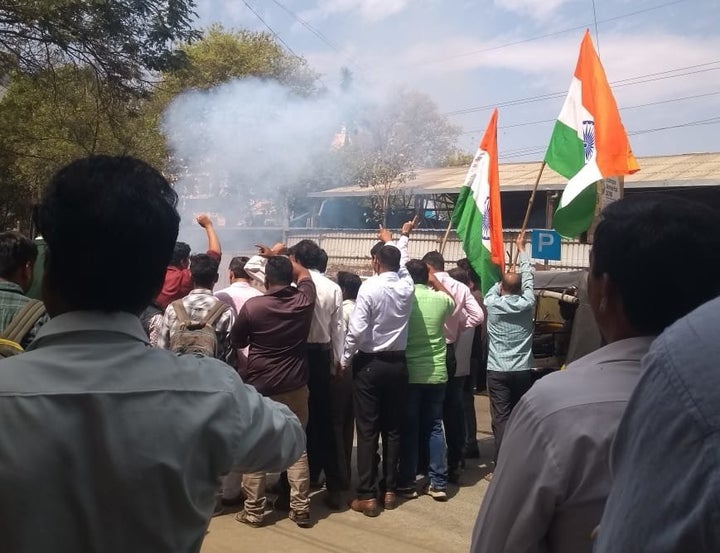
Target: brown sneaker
[390, 500]
[301, 519]
[368, 507]
[242, 516]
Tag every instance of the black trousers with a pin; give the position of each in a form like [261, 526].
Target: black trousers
[321, 444]
[343, 426]
[453, 413]
[505, 388]
[379, 385]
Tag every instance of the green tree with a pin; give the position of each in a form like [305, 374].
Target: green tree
[121, 40]
[391, 141]
[223, 55]
[56, 115]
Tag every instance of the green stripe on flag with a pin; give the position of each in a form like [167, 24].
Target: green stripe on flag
[467, 220]
[576, 217]
[566, 152]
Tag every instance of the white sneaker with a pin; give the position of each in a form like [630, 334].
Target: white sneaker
[437, 495]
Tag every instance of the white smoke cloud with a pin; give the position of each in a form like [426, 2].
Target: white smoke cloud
[247, 139]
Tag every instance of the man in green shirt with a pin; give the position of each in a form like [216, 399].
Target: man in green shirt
[425, 355]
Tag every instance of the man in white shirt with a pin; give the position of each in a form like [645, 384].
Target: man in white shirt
[235, 295]
[553, 475]
[375, 345]
[467, 314]
[325, 349]
[127, 440]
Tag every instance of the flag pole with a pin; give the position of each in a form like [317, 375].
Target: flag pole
[445, 237]
[531, 201]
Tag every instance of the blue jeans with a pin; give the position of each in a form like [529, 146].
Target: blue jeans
[423, 420]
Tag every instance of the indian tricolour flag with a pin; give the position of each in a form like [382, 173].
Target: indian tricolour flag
[477, 216]
[588, 143]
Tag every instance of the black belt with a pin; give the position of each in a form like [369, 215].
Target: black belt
[388, 356]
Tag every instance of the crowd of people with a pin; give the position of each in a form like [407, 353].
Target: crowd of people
[146, 401]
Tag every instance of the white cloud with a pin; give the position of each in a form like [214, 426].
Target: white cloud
[370, 10]
[537, 9]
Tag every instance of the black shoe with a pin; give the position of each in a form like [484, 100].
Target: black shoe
[301, 519]
[282, 503]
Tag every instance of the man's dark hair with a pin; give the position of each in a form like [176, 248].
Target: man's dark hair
[180, 254]
[464, 263]
[349, 284]
[389, 258]
[435, 260]
[279, 271]
[376, 248]
[237, 267]
[461, 275]
[323, 261]
[308, 254]
[204, 270]
[16, 251]
[98, 214]
[418, 271]
[650, 246]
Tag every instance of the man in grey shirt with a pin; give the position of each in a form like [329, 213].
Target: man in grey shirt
[552, 478]
[665, 495]
[126, 442]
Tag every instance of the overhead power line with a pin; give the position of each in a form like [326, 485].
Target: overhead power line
[307, 25]
[531, 150]
[548, 35]
[624, 108]
[630, 81]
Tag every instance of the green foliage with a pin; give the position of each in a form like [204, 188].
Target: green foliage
[55, 116]
[392, 141]
[224, 55]
[121, 40]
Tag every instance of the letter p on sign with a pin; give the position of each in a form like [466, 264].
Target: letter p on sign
[545, 245]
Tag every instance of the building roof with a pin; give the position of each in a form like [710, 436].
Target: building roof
[683, 170]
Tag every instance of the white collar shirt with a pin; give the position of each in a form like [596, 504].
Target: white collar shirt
[237, 294]
[379, 321]
[553, 472]
[467, 314]
[327, 326]
[128, 441]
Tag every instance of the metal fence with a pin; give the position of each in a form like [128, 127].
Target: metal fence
[351, 248]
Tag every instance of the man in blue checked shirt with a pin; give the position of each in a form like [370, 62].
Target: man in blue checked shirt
[510, 308]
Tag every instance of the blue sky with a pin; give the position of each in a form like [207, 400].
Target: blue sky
[461, 53]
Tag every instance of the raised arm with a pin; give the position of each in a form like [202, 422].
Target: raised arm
[526, 271]
[213, 242]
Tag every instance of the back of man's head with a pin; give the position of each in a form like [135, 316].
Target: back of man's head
[323, 261]
[649, 246]
[461, 275]
[180, 255]
[435, 260]
[511, 284]
[418, 271]
[375, 249]
[388, 258]
[204, 270]
[349, 284]
[97, 215]
[278, 271]
[237, 267]
[308, 254]
[17, 252]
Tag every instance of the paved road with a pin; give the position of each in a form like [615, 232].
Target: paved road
[419, 525]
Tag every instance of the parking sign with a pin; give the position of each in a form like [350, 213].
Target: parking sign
[545, 245]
